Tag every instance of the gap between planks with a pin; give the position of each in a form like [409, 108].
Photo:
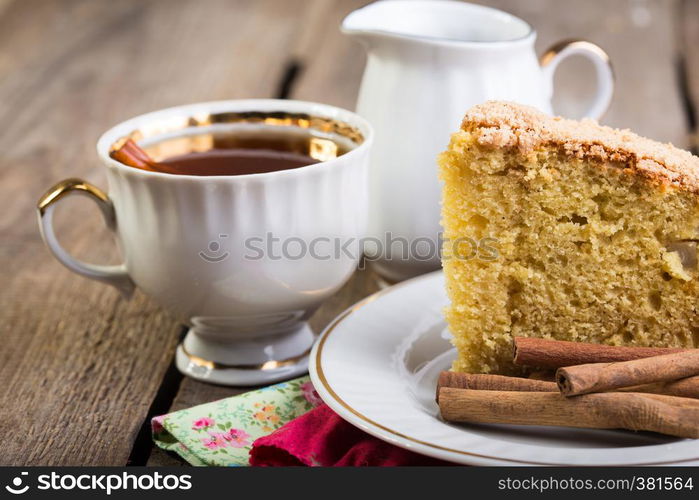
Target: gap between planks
[688, 66]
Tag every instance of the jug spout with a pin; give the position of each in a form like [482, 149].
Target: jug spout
[364, 25]
[434, 22]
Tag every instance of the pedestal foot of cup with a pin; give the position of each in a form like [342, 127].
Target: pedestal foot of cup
[245, 362]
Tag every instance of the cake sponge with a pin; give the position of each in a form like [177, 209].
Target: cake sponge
[566, 230]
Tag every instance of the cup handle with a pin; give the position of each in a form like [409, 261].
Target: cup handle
[116, 276]
[603, 69]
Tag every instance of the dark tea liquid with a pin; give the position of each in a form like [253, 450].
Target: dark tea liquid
[234, 162]
[255, 151]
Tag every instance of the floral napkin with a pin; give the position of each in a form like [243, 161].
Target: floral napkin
[221, 433]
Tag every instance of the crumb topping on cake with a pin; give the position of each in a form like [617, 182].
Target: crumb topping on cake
[500, 124]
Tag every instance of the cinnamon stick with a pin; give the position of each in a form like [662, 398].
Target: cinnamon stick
[600, 377]
[133, 155]
[686, 387]
[479, 382]
[614, 410]
[545, 353]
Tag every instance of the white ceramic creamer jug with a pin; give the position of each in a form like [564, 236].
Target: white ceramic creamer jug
[428, 62]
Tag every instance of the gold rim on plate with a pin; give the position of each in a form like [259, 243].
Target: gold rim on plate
[326, 385]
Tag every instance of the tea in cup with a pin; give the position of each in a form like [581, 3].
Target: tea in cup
[230, 222]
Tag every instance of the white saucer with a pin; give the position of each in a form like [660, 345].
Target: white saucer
[377, 363]
[273, 358]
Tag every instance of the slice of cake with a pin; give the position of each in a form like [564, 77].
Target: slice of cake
[568, 230]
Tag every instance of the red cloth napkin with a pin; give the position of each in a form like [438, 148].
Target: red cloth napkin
[322, 438]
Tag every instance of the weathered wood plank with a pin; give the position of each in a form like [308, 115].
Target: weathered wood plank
[332, 63]
[79, 366]
[689, 17]
[640, 40]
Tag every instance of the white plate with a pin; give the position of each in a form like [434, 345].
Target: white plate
[376, 365]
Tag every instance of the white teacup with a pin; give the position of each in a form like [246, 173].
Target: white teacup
[225, 253]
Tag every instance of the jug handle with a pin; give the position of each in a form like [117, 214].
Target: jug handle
[603, 70]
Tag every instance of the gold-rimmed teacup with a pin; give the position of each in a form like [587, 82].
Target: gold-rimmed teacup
[197, 245]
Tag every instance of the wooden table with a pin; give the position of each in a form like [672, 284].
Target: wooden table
[82, 370]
